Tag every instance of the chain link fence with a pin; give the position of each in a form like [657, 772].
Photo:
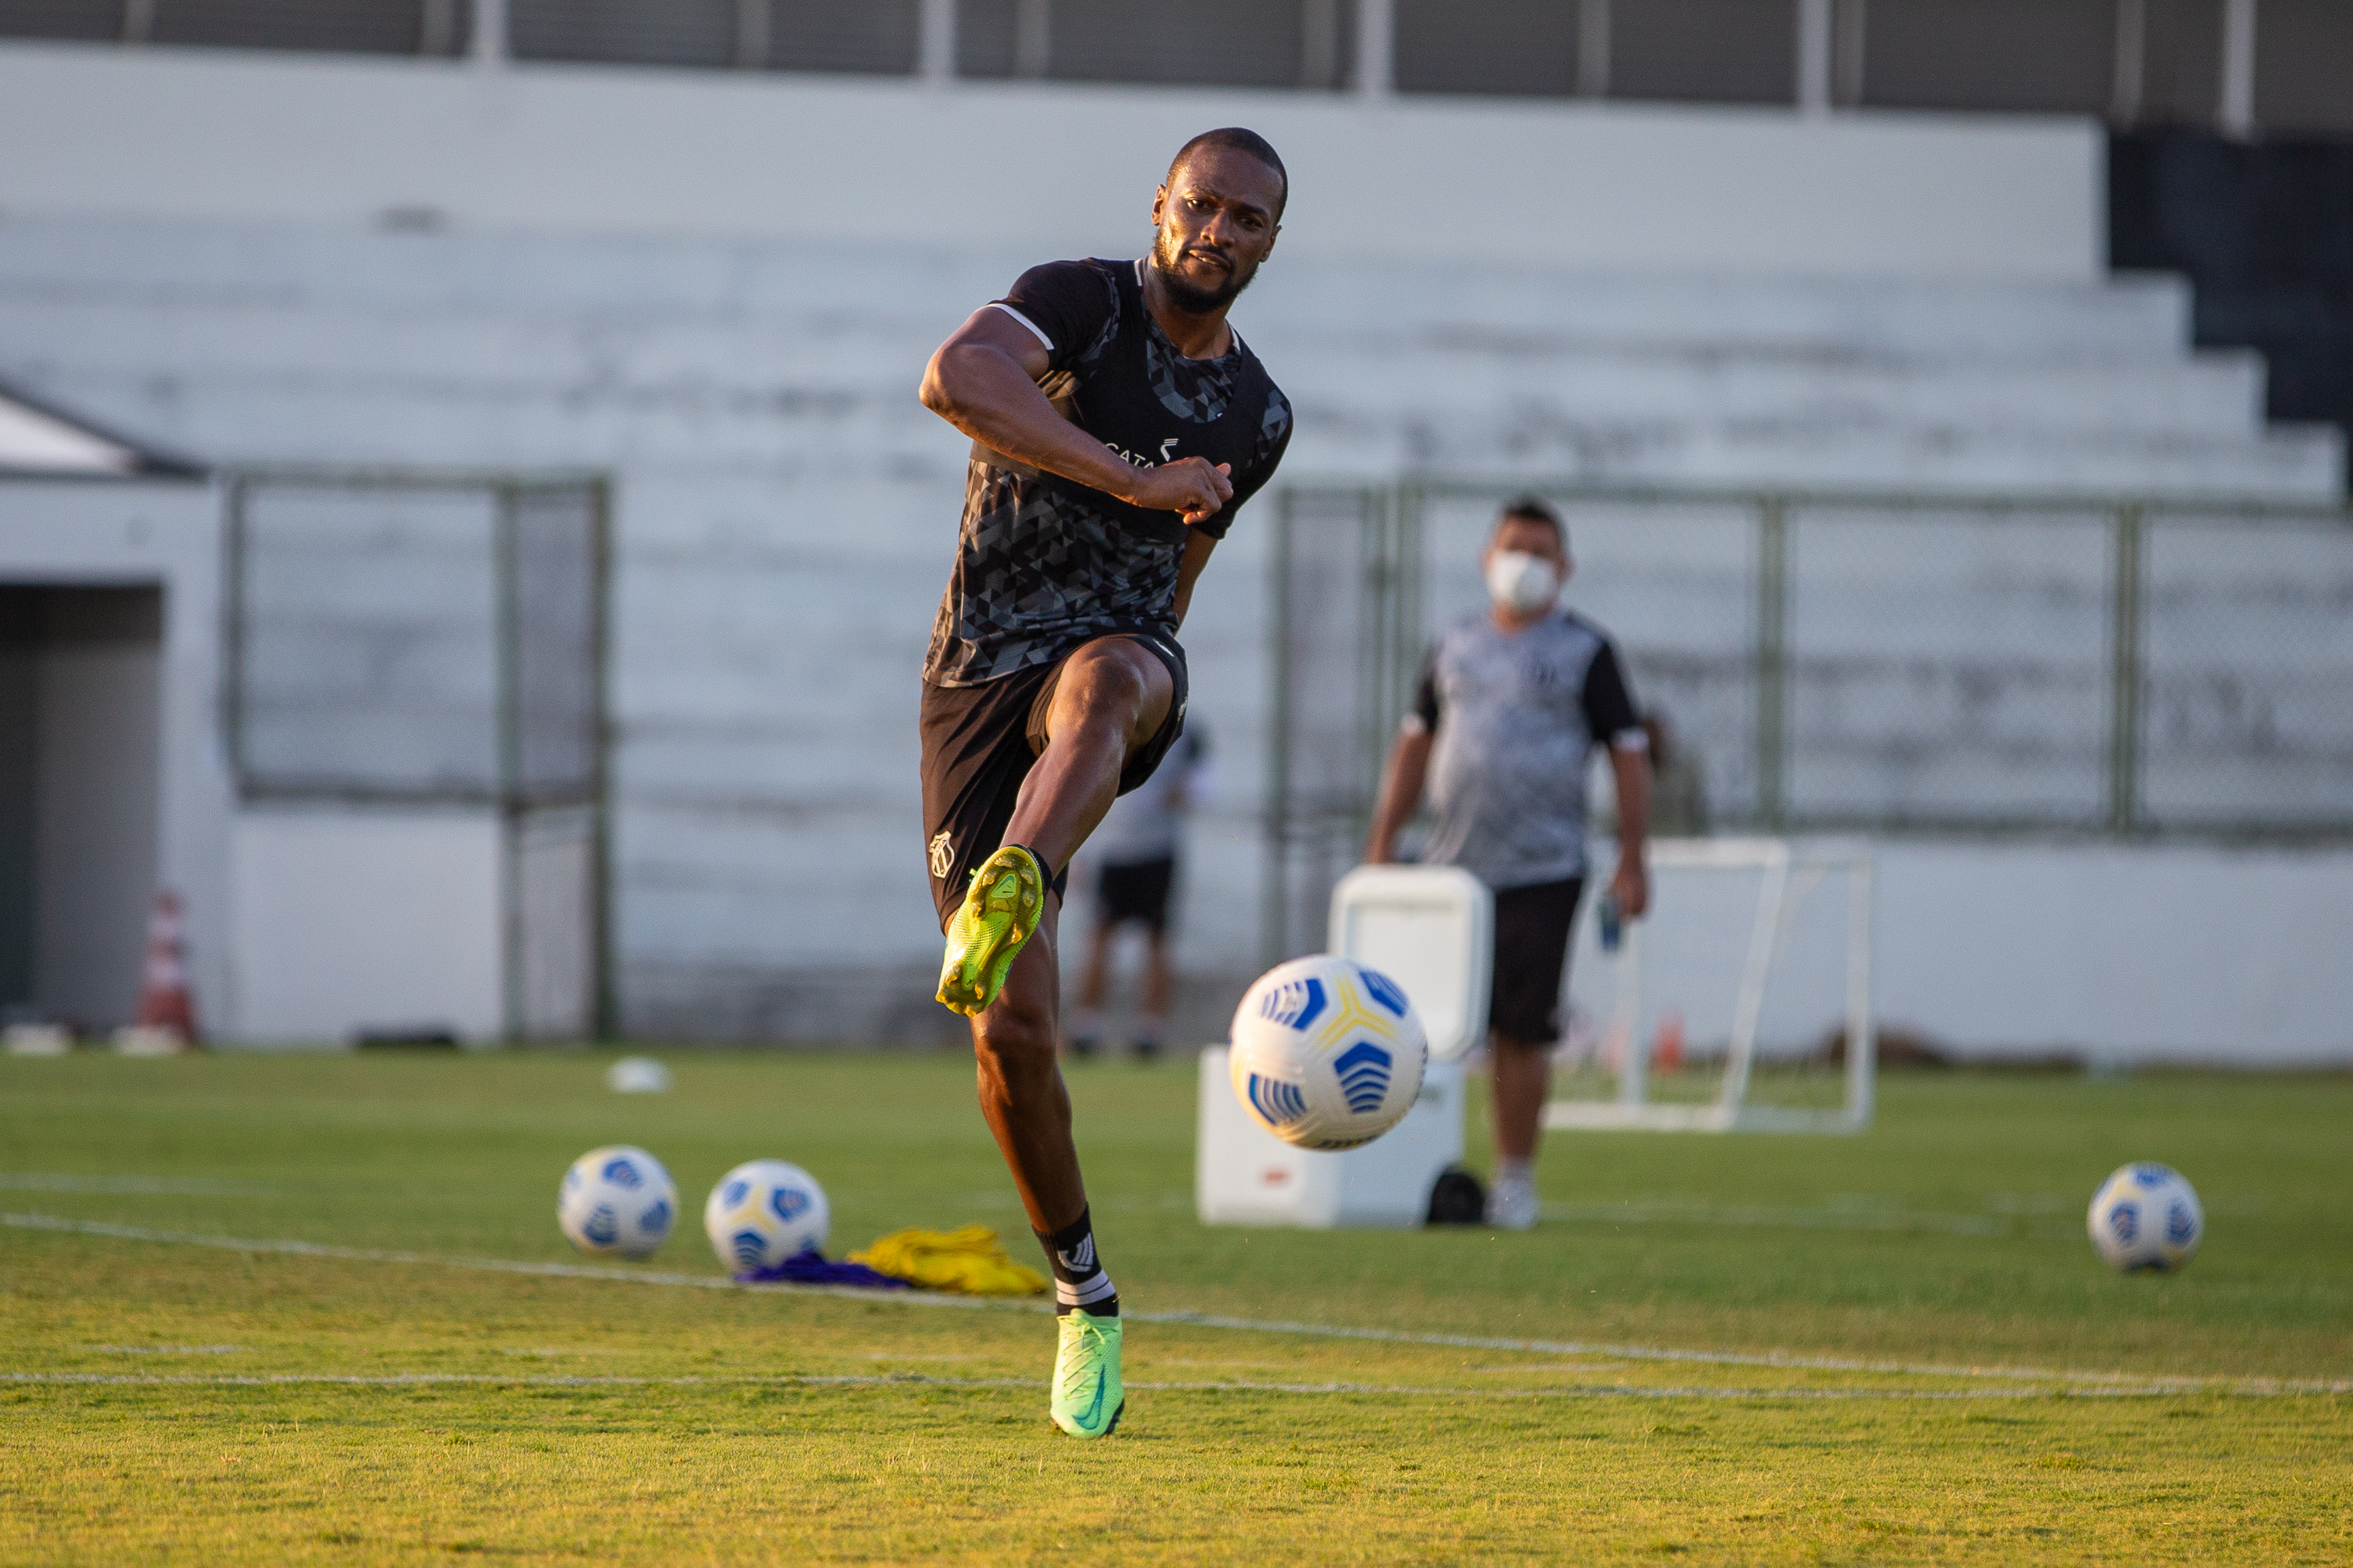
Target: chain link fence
[397, 641]
[1854, 664]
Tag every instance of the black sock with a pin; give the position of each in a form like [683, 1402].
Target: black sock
[1080, 1282]
[1057, 882]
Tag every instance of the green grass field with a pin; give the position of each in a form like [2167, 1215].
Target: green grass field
[1897, 1348]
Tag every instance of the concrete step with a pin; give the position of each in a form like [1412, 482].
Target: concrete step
[2129, 316]
[2216, 394]
[220, 263]
[295, 419]
[2288, 464]
[793, 368]
[843, 437]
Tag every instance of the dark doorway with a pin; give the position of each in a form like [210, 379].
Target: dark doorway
[2264, 230]
[80, 711]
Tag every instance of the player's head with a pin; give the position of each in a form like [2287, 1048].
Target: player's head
[1217, 214]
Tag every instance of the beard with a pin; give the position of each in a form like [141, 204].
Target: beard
[1189, 297]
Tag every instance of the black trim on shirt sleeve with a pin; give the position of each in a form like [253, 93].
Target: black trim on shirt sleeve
[1068, 301]
[1609, 705]
[1425, 693]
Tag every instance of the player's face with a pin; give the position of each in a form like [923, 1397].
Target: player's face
[1217, 219]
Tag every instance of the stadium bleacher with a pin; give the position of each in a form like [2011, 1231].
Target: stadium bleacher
[783, 503]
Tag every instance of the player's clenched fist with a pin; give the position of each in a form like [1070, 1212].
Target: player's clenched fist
[1188, 487]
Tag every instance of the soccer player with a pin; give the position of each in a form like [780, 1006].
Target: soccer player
[1117, 423]
[1511, 704]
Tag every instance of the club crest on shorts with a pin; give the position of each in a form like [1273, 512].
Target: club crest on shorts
[943, 857]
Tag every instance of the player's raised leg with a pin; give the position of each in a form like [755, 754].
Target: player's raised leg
[1114, 697]
[1110, 697]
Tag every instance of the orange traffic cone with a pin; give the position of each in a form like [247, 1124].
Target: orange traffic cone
[1667, 1045]
[165, 1001]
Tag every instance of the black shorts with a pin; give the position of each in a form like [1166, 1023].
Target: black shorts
[978, 744]
[1137, 890]
[1532, 930]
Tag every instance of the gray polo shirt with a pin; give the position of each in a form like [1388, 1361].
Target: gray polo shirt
[1515, 716]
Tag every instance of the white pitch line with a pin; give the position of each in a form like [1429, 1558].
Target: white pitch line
[491, 1379]
[917, 1380]
[1879, 1221]
[2080, 1381]
[138, 1186]
[492, 1265]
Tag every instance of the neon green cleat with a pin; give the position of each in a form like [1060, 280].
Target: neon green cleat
[1088, 1397]
[1000, 911]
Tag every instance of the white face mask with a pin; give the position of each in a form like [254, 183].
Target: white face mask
[1522, 582]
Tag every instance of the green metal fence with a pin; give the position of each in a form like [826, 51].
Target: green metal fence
[400, 640]
[1977, 666]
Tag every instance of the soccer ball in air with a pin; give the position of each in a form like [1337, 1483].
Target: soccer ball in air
[2146, 1217]
[1327, 1053]
[763, 1211]
[617, 1199]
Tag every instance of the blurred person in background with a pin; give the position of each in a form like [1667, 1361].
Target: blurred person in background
[1678, 787]
[1678, 783]
[1138, 848]
[1509, 705]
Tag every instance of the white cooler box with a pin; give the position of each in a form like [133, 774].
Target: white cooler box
[1431, 929]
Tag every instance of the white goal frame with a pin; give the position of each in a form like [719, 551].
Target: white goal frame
[1782, 862]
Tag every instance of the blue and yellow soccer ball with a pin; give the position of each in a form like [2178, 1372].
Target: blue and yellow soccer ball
[1327, 1053]
[616, 1200]
[763, 1212]
[2146, 1217]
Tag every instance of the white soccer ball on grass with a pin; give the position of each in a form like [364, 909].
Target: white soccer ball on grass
[637, 1075]
[763, 1211]
[617, 1199]
[2146, 1217]
[1327, 1053]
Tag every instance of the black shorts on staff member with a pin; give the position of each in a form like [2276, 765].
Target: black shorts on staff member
[1531, 927]
[979, 743]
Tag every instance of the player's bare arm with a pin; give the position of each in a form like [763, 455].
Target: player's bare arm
[983, 381]
[1631, 884]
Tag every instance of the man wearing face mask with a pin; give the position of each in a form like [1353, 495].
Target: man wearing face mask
[1510, 706]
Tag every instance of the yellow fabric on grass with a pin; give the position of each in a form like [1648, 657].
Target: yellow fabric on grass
[969, 1259]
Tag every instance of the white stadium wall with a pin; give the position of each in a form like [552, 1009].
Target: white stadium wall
[1044, 171]
[2120, 953]
[2115, 955]
[348, 923]
[719, 293]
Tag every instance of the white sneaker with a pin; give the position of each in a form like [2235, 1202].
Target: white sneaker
[1511, 1203]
